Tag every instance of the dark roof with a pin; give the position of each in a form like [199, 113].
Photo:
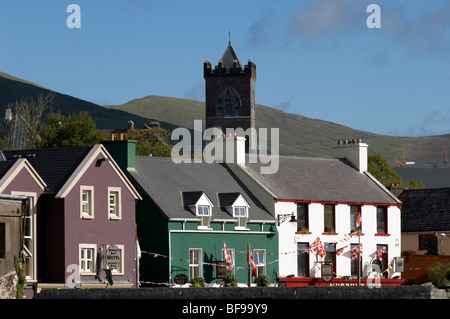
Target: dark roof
[229, 56]
[165, 182]
[425, 210]
[228, 199]
[319, 179]
[4, 167]
[430, 177]
[191, 198]
[54, 165]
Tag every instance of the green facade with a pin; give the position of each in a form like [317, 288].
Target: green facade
[165, 244]
[171, 241]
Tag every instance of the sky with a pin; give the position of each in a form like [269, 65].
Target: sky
[316, 58]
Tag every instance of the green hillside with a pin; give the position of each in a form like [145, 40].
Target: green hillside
[299, 135]
[12, 89]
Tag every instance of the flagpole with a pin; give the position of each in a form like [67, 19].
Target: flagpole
[359, 253]
[249, 265]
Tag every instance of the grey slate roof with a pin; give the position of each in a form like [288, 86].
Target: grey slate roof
[425, 210]
[54, 165]
[165, 183]
[319, 179]
[430, 177]
[228, 56]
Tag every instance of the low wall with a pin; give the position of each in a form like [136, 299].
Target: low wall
[388, 292]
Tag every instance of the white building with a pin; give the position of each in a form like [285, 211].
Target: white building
[319, 200]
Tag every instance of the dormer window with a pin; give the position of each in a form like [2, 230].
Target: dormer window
[236, 205]
[200, 205]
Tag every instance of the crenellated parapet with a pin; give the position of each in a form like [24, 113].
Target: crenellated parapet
[235, 69]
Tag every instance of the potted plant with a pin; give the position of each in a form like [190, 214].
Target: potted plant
[198, 282]
[231, 281]
[262, 281]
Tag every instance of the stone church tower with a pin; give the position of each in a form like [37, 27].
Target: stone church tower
[230, 94]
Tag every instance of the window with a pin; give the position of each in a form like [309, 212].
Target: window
[329, 219]
[114, 210]
[302, 217]
[302, 259]
[260, 261]
[87, 258]
[205, 214]
[382, 256]
[2, 240]
[87, 201]
[240, 212]
[423, 241]
[195, 263]
[29, 233]
[382, 219]
[330, 257]
[354, 212]
[355, 263]
[231, 251]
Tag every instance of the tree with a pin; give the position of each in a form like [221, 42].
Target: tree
[382, 171]
[385, 174]
[150, 141]
[22, 128]
[73, 130]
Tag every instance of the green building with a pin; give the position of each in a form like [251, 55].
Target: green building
[188, 212]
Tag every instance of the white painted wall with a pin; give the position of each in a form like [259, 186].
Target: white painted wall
[288, 238]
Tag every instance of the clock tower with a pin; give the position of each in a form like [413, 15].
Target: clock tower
[230, 95]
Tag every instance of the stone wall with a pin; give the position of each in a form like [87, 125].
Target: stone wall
[8, 286]
[286, 293]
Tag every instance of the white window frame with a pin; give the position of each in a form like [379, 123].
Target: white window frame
[260, 265]
[118, 204]
[90, 214]
[93, 259]
[241, 219]
[30, 250]
[204, 218]
[193, 265]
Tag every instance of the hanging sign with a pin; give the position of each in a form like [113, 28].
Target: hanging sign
[221, 269]
[180, 279]
[327, 272]
[113, 256]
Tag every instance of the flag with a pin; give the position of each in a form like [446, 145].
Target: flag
[227, 256]
[253, 265]
[317, 247]
[138, 248]
[354, 252]
[358, 220]
[252, 261]
[380, 252]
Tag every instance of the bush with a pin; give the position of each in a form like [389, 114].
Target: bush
[231, 281]
[439, 274]
[262, 281]
[198, 282]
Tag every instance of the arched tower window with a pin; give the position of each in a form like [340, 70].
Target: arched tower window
[228, 103]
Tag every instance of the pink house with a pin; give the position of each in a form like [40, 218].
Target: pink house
[83, 204]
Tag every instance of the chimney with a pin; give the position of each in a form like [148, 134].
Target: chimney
[353, 150]
[123, 152]
[234, 151]
[395, 189]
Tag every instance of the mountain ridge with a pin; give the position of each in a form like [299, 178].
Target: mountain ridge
[299, 135]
